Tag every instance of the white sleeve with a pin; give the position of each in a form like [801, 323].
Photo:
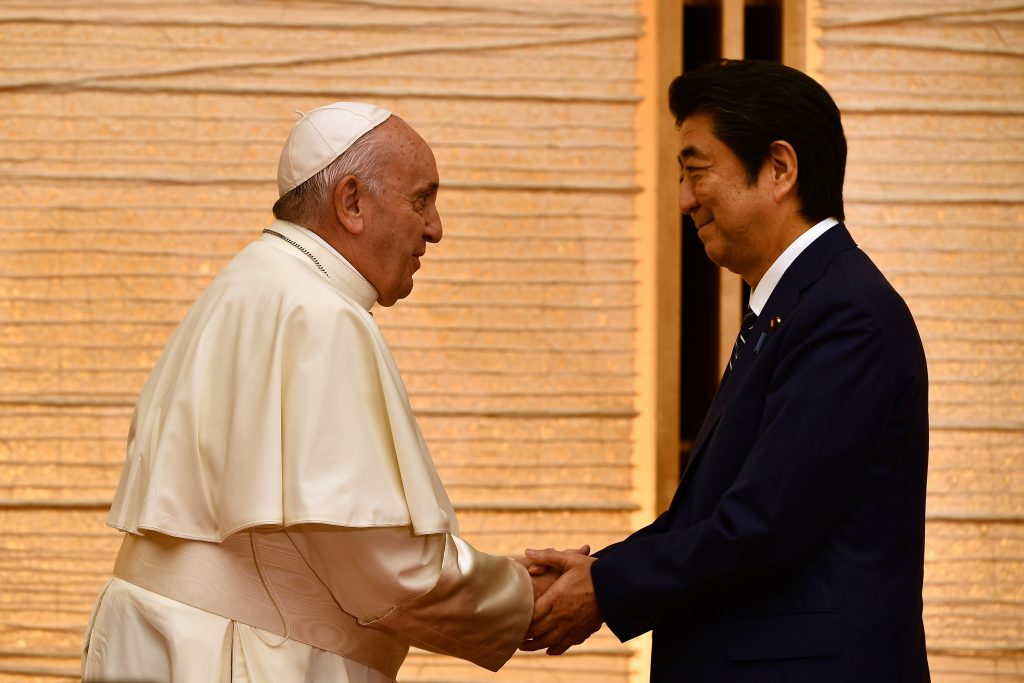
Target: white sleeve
[436, 589]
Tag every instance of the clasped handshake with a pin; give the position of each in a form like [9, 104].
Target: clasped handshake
[565, 611]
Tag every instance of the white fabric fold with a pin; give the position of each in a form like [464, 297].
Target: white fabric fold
[277, 402]
[437, 590]
[137, 635]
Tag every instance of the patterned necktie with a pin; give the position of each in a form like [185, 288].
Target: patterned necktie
[749, 320]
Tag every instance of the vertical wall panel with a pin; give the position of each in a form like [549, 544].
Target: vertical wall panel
[138, 151]
[932, 94]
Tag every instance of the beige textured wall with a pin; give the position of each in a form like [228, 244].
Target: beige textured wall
[137, 151]
[932, 94]
[138, 147]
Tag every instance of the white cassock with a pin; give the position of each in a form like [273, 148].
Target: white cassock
[285, 520]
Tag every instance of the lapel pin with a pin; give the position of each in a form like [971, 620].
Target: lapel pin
[774, 323]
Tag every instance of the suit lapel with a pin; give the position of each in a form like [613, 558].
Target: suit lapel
[805, 271]
[801, 274]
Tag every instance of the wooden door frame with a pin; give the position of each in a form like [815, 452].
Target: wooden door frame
[667, 35]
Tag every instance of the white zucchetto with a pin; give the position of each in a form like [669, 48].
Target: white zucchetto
[321, 136]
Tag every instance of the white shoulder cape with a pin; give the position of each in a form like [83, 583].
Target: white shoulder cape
[277, 401]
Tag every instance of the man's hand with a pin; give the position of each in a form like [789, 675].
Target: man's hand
[541, 575]
[567, 613]
[542, 582]
[537, 569]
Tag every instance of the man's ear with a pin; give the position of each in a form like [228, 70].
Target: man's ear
[348, 197]
[784, 168]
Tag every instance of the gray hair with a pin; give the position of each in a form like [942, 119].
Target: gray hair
[305, 204]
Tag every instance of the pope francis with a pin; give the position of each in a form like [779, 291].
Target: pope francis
[284, 519]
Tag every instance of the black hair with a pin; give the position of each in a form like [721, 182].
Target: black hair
[753, 103]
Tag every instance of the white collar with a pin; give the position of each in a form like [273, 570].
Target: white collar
[764, 288]
[337, 269]
[344, 261]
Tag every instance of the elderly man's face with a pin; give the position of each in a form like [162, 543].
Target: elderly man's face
[403, 217]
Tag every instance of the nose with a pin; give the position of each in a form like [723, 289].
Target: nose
[687, 200]
[432, 230]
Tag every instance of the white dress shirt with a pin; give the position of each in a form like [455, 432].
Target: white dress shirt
[759, 296]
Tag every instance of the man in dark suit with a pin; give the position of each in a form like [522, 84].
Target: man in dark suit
[793, 549]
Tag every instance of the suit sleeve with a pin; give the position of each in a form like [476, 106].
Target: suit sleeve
[658, 526]
[823, 421]
[435, 589]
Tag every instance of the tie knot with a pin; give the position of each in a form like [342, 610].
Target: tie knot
[748, 324]
[749, 320]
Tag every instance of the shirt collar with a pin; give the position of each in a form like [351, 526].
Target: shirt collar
[759, 296]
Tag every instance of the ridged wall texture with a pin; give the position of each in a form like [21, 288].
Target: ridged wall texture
[932, 94]
[139, 152]
[138, 146]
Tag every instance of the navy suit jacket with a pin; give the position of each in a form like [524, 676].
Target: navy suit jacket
[793, 549]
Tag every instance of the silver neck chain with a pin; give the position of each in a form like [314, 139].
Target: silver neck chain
[301, 248]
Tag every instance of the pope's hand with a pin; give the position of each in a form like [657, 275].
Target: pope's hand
[541, 575]
[566, 614]
[537, 569]
[542, 582]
